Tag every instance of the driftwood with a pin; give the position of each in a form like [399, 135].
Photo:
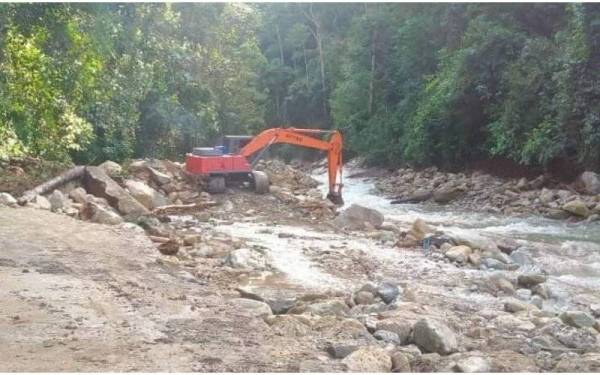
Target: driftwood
[71, 174]
[178, 208]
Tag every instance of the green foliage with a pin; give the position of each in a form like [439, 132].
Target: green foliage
[422, 84]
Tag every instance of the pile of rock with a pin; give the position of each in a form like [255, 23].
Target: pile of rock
[109, 194]
[482, 192]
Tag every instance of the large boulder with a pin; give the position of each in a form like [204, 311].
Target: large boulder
[111, 168]
[79, 195]
[474, 364]
[358, 217]
[531, 279]
[459, 253]
[590, 182]
[368, 359]
[577, 207]
[146, 195]
[7, 200]
[58, 201]
[102, 215]
[98, 183]
[159, 177]
[577, 319]
[446, 194]
[434, 337]
[399, 326]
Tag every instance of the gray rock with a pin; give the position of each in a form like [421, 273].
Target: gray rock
[252, 307]
[493, 264]
[446, 194]
[496, 254]
[111, 168]
[541, 290]
[364, 298]
[569, 336]
[473, 364]
[556, 214]
[417, 196]
[368, 359]
[98, 183]
[399, 326]
[340, 351]
[7, 200]
[159, 177]
[79, 195]
[279, 302]
[577, 319]
[400, 362]
[459, 253]
[102, 215]
[590, 182]
[529, 280]
[521, 257]
[573, 363]
[595, 309]
[328, 308]
[514, 305]
[58, 201]
[507, 245]
[358, 217]
[434, 336]
[39, 201]
[146, 195]
[387, 336]
[388, 292]
[577, 207]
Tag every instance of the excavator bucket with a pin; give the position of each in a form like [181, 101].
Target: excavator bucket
[336, 198]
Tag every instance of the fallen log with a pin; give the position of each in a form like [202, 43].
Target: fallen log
[179, 208]
[71, 174]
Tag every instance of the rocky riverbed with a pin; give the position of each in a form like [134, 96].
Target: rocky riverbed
[370, 286]
[482, 192]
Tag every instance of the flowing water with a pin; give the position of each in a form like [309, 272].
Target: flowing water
[569, 252]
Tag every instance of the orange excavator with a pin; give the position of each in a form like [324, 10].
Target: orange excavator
[235, 157]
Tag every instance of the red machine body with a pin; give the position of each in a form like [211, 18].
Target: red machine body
[221, 164]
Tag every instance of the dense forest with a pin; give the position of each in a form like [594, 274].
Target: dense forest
[417, 84]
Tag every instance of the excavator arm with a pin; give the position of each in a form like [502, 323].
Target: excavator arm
[302, 137]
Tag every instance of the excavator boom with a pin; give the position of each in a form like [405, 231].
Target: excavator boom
[304, 138]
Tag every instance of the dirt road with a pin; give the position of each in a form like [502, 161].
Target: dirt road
[78, 296]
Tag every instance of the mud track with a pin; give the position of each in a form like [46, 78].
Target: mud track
[86, 297]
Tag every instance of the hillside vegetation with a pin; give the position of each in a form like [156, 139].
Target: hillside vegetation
[418, 84]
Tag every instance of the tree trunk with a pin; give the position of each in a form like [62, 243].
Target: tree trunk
[372, 78]
[71, 174]
[316, 33]
[280, 44]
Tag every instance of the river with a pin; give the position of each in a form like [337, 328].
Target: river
[569, 253]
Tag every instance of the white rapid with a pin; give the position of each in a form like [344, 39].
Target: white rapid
[570, 253]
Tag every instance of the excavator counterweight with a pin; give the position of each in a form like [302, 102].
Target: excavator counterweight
[234, 158]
